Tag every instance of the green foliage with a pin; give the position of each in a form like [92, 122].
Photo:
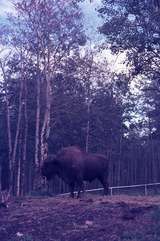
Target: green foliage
[134, 26]
[80, 94]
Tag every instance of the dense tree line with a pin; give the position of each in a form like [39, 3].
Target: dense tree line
[55, 93]
[133, 27]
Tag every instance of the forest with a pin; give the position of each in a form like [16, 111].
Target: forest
[60, 87]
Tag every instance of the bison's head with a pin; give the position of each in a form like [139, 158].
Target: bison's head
[49, 168]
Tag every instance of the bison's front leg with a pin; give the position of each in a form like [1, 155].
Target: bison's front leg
[71, 186]
[106, 189]
[80, 187]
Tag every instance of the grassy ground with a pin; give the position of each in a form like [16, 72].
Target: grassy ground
[92, 218]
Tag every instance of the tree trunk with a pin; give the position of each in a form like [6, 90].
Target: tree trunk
[46, 122]
[7, 116]
[24, 148]
[37, 157]
[89, 100]
[119, 161]
[37, 136]
[17, 134]
[88, 127]
[18, 165]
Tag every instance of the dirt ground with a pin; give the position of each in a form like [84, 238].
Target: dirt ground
[92, 218]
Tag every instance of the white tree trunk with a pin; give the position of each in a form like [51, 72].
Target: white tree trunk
[46, 122]
[37, 135]
[7, 115]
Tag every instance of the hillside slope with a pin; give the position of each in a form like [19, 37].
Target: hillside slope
[93, 218]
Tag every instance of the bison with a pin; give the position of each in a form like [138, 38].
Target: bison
[75, 166]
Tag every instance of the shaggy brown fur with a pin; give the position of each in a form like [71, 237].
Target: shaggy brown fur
[75, 166]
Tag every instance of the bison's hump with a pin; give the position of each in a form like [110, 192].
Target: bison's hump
[69, 153]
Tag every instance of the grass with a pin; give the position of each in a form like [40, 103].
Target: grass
[129, 236]
[24, 238]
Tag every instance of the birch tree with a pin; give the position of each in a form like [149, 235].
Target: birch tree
[6, 192]
[50, 31]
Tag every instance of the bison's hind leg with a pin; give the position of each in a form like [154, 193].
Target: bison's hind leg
[71, 186]
[105, 184]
